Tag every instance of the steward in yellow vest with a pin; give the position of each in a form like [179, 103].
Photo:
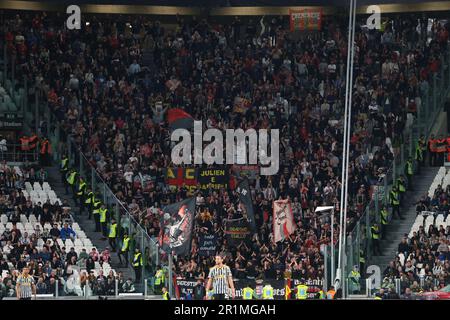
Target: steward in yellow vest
[112, 234]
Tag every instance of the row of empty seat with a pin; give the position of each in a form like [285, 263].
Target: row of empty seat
[427, 220]
[39, 193]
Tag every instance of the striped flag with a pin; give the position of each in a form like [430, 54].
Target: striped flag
[283, 220]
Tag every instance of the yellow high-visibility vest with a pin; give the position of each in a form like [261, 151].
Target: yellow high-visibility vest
[112, 230]
[125, 244]
[71, 178]
[103, 214]
[247, 293]
[137, 261]
[302, 292]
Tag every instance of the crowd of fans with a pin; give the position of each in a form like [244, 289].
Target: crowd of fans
[111, 83]
[51, 265]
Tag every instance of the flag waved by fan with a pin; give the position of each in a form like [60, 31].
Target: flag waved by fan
[283, 220]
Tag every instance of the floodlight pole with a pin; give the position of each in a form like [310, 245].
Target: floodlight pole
[333, 265]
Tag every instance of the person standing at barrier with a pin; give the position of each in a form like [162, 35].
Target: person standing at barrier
[267, 292]
[441, 148]
[432, 150]
[45, 152]
[409, 173]
[394, 199]
[137, 264]
[112, 235]
[248, 293]
[125, 249]
[165, 294]
[102, 219]
[24, 147]
[220, 279]
[375, 233]
[383, 220]
[354, 279]
[330, 293]
[25, 286]
[302, 292]
[362, 259]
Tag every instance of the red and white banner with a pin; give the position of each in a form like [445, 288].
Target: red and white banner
[305, 19]
[283, 220]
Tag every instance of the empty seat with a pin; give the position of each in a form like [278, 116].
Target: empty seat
[78, 243]
[4, 219]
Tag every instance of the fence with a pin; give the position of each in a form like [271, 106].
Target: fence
[14, 153]
[432, 101]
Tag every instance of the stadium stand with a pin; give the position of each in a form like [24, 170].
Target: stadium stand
[110, 87]
[55, 248]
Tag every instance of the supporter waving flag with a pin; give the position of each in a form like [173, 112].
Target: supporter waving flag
[179, 119]
[283, 220]
[177, 225]
[245, 198]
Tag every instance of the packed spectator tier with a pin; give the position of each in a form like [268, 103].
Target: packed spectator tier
[111, 83]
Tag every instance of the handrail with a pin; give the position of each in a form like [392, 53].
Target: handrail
[115, 198]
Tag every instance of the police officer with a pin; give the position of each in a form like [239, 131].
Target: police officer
[165, 294]
[102, 219]
[383, 220]
[248, 293]
[267, 292]
[409, 172]
[64, 168]
[375, 231]
[112, 235]
[137, 264]
[125, 249]
[302, 292]
[395, 202]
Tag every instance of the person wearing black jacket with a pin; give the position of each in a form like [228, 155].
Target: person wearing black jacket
[199, 291]
[392, 295]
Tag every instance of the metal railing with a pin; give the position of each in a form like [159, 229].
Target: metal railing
[431, 105]
[12, 152]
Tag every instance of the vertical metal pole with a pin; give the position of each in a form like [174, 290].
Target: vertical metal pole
[325, 267]
[145, 288]
[368, 285]
[5, 64]
[57, 288]
[333, 264]
[397, 286]
[434, 92]
[86, 288]
[13, 75]
[25, 97]
[92, 179]
[170, 276]
[117, 288]
[142, 251]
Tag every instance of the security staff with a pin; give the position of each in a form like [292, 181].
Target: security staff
[302, 292]
[401, 189]
[137, 264]
[376, 240]
[96, 212]
[104, 225]
[64, 168]
[395, 202]
[248, 293]
[89, 201]
[160, 278]
[330, 293]
[409, 172]
[362, 259]
[125, 249]
[165, 294]
[112, 235]
[81, 193]
[320, 295]
[71, 178]
[267, 292]
[355, 277]
[383, 220]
